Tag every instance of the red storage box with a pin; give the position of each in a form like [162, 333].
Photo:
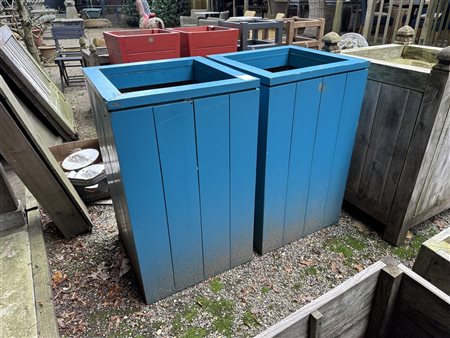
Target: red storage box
[207, 40]
[142, 45]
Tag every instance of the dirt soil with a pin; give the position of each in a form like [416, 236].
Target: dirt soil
[96, 293]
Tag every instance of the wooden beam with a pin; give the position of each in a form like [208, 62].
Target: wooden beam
[337, 16]
[385, 296]
[368, 20]
[8, 201]
[45, 312]
[37, 168]
[315, 323]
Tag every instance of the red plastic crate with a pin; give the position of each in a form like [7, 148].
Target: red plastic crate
[207, 40]
[142, 45]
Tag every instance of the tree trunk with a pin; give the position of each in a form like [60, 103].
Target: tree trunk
[27, 27]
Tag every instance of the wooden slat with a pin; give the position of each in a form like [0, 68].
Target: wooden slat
[45, 311]
[388, 22]
[327, 130]
[146, 229]
[26, 75]
[280, 115]
[307, 103]
[411, 109]
[384, 302]
[345, 309]
[350, 110]
[178, 160]
[243, 145]
[8, 201]
[408, 14]
[377, 28]
[363, 135]
[382, 143]
[36, 167]
[416, 26]
[213, 152]
[412, 314]
[337, 16]
[368, 20]
[398, 19]
[433, 261]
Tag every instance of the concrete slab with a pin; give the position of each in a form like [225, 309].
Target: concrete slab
[17, 305]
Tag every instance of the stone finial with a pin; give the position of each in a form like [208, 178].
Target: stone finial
[92, 48]
[444, 59]
[330, 42]
[405, 35]
[83, 42]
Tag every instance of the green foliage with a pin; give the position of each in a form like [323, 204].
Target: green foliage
[195, 332]
[170, 11]
[265, 290]
[216, 285]
[249, 319]
[129, 9]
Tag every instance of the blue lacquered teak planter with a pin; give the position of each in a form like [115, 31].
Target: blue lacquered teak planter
[179, 138]
[309, 110]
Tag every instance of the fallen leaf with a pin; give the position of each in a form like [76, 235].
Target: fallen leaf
[358, 267]
[307, 262]
[303, 298]
[334, 267]
[59, 277]
[288, 269]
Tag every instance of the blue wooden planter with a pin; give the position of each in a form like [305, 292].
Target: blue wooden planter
[179, 138]
[309, 110]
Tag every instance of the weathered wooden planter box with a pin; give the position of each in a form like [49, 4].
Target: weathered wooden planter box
[248, 33]
[384, 300]
[309, 109]
[400, 169]
[142, 45]
[206, 40]
[433, 261]
[179, 138]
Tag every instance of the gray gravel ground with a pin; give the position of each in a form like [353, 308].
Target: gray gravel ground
[96, 294]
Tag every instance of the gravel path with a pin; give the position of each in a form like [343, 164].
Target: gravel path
[96, 293]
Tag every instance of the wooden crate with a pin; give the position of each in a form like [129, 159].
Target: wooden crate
[400, 169]
[179, 138]
[309, 109]
[433, 261]
[384, 300]
[206, 40]
[142, 45]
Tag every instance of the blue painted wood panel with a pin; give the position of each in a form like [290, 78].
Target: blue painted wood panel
[303, 138]
[354, 92]
[244, 109]
[141, 174]
[177, 150]
[326, 135]
[213, 148]
[280, 114]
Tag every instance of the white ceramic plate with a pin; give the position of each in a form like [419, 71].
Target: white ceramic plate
[90, 172]
[80, 159]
